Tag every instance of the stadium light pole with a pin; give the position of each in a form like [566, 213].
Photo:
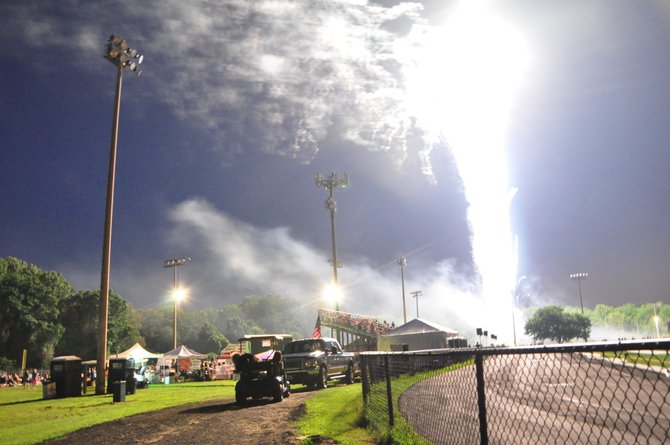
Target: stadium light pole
[416, 294]
[402, 262]
[174, 263]
[579, 276]
[122, 57]
[330, 183]
[657, 319]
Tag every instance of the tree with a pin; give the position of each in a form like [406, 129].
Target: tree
[210, 339]
[80, 318]
[29, 313]
[156, 328]
[553, 323]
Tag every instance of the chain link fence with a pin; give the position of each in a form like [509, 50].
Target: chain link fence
[578, 394]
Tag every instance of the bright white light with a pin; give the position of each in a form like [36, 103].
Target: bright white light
[333, 294]
[461, 88]
[180, 294]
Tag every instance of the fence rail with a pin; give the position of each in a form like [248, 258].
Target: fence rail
[565, 394]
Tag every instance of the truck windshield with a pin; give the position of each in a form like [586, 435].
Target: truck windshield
[303, 346]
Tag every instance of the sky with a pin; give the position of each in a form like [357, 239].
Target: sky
[496, 145]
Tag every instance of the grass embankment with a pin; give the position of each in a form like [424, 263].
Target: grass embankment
[25, 418]
[336, 413]
[660, 359]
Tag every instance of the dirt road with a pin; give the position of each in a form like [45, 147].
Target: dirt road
[214, 422]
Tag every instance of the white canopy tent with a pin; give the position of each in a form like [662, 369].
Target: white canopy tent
[182, 352]
[136, 352]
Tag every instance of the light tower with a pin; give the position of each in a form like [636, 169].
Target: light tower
[176, 295]
[122, 57]
[579, 276]
[330, 183]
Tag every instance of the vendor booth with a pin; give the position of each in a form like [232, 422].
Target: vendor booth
[185, 359]
[144, 362]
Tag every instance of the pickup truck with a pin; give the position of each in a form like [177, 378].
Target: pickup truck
[314, 361]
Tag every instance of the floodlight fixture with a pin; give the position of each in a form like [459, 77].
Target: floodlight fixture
[122, 56]
[332, 293]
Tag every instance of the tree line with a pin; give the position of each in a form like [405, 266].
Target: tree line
[630, 320]
[42, 313]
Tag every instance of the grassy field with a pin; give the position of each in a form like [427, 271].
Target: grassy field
[660, 359]
[25, 418]
[336, 413]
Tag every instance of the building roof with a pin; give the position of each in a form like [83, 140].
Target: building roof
[419, 326]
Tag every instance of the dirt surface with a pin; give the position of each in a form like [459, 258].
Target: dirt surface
[214, 422]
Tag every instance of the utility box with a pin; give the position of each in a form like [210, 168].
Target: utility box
[121, 369]
[119, 391]
[66, 374]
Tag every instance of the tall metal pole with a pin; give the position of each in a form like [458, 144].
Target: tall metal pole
[123, 57]
[416, 295]
[332, 206]
[330, 183]
[107, 243]
[402, 262]
[174, 263]
[579, 277]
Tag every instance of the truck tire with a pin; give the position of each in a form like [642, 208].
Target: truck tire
[240, 398]
[322, 379]
[349, 376]
[278, 395]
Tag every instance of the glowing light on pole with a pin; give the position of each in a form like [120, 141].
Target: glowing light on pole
[579, 277]
[123, 58]
[402, 262]
[330, 183]
[178, 294]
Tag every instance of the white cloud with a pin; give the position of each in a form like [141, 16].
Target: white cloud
[263, 75]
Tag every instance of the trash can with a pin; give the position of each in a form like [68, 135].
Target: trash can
[120, 369]
[119, 391]
[66, 374]
[48, 390]
[131, 385]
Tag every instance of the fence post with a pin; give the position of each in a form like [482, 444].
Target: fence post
[389, 396]
[481, 398]
[365, 381]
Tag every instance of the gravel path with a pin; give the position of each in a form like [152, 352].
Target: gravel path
[214, 422]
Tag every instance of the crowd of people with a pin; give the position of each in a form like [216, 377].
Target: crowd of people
[26, 378]
[356, 322]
